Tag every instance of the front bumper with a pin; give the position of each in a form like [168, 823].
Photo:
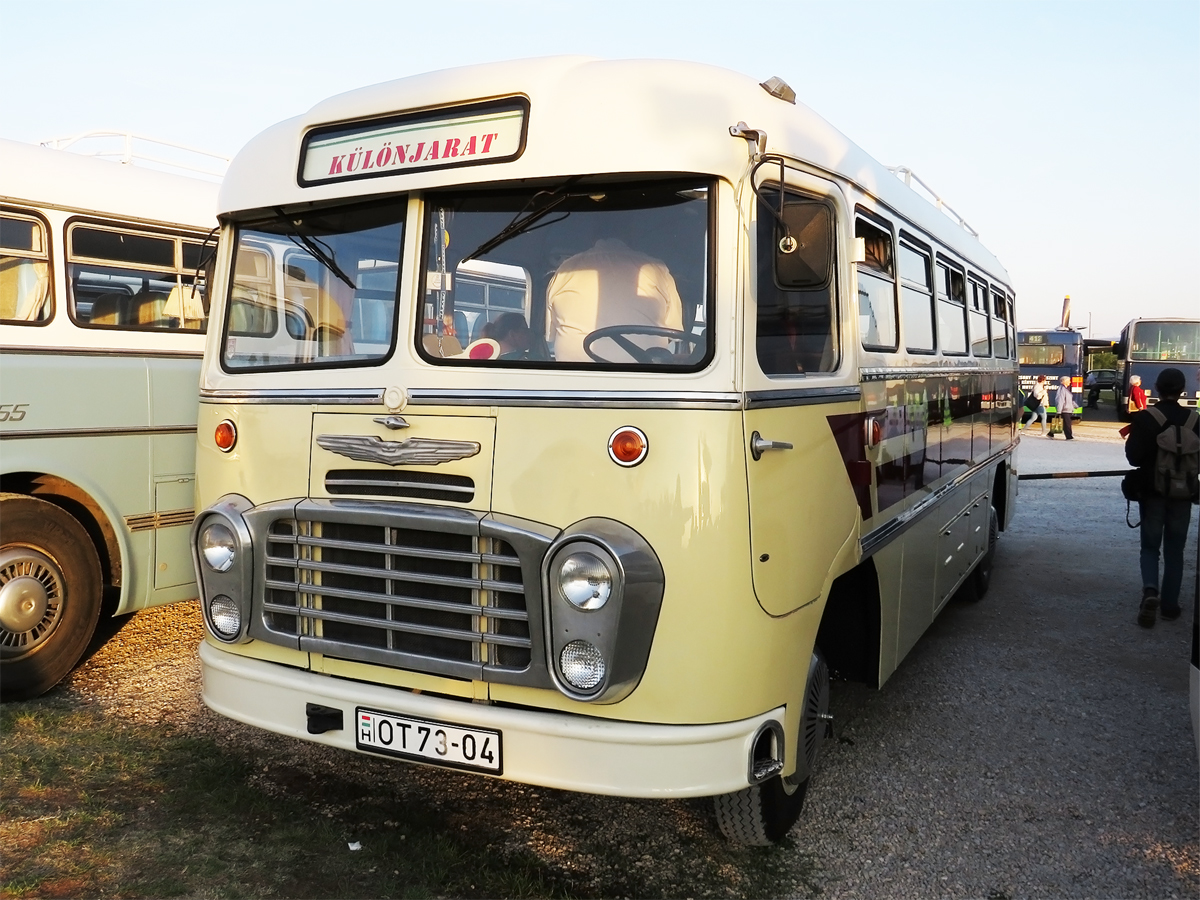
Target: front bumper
[575, 753]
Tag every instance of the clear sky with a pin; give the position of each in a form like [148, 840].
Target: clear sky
[1066, 133]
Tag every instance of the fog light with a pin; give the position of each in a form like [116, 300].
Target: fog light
[581, 665]
[217, 547]
[225, 616]
[585, 581]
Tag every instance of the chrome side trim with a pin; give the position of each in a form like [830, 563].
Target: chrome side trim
[731, 400]
[97, 432]
[150, 521]
[885, 374]
[8, 350]
[889, 531]
[802, 396]
[309, 396]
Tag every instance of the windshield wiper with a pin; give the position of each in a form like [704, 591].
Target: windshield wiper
[520, 225]
[323, 255]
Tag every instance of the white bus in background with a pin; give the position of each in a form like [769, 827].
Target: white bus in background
[103, 310]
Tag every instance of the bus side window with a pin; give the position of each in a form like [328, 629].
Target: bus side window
[795, 328]
[981, 344]
[915, 290]
[876, 288]
[1002, 345]
[952, 310]
[25, 296]
[123, 279]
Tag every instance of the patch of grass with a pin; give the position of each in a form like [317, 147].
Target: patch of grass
[88, 806]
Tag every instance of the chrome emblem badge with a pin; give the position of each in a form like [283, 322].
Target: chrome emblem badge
[413, 452]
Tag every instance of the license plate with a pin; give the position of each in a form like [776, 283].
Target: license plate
[436, 742]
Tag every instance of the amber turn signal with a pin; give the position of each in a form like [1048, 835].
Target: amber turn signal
[628, 446]
[225, 436]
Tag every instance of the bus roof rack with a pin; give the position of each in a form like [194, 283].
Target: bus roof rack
[909, 176]
[120, 145]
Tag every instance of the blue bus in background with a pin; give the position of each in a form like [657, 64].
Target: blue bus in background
[1053, 353]
[1147, 346]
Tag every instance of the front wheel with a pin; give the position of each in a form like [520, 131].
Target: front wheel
[50, 590]
[762, 814]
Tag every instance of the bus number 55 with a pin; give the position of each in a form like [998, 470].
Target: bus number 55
[12, 412]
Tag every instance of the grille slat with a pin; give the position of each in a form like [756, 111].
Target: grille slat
[370, 572]
[316, 590]
[415, 485]
[412, 597]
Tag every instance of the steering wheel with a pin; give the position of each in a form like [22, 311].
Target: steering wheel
[618, 334]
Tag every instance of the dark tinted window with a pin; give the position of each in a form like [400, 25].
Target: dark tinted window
[120, 247]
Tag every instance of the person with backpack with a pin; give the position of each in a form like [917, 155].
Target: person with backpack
[1036, 402]
[1164, 445]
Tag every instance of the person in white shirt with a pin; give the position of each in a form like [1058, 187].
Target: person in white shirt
[1038, 397]
[610, 284]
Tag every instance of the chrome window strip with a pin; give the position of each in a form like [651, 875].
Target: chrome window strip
[132, 352]
[802, 396]
[586, 399]
[311, 396]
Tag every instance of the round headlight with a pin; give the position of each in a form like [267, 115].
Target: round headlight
[585, 581]
[225, 616]
[217, 547]
[582, 665]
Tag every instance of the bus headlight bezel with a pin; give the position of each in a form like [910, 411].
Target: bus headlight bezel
[611, 628]
[225, 590]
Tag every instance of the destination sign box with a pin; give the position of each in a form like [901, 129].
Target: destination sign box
[481, 133]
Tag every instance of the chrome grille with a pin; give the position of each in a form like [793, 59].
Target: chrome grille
[412, 485]
[437, 601]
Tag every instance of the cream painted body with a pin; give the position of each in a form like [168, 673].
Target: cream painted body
[750, 549]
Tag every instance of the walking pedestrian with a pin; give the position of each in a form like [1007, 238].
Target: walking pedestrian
[1164, 444]
[1064, 402]
[1036, 402]
[1137, 396]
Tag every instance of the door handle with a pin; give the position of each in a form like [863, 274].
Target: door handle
[760, 445]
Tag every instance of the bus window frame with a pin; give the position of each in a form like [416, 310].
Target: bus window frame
[977, 282]
[120, 227]
[943, 292]
[423, 239]
[889, 229]
[920, 247]
[19, 212]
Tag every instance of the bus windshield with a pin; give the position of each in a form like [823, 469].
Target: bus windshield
[1179, 341]
[1042, 354]
[567, 276]
[315, 289]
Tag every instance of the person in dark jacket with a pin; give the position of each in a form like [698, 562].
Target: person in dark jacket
[1164, 522]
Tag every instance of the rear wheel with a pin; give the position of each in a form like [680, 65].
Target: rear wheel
[981, 578]
[762, 814]
[50, 594]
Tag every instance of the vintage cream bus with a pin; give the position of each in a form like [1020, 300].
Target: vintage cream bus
[567, 421]
[102, 320]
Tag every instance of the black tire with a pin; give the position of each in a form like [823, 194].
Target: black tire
[50, 592]
[763, 814]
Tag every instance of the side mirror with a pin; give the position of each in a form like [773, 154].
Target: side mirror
[804, 252]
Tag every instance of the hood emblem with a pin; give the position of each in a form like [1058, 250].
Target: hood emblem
[413, 452]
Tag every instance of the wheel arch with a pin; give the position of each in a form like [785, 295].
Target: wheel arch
[83, 507]
[849, 634]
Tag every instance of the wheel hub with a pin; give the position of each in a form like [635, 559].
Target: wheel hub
[31, 597]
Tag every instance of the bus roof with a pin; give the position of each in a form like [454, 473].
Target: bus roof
[590, 116]
[37, 176]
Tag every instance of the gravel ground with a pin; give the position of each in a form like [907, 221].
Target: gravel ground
[1036, 744]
